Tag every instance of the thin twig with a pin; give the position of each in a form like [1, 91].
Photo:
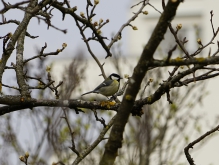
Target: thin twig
[95, 143]
[101, 120]
[170, 52]
[118, 34]
[8, 7]
[190, 145]
[45, 54]
[73, 148]
[147, 84]
[211, 12]
[90, 51]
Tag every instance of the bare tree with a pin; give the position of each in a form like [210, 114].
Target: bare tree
[32, 88]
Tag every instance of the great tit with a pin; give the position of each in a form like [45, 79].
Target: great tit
[108, 87]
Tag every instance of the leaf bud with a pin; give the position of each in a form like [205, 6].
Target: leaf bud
[145, 12]
[126, 76]
[100, 21]
[82, 14]
[199, 41]
[22, 158]
[134, 28]
[96, 2]
[99, 31]
[64, 45]
[179, 26]
[95, 23]
[26, 155]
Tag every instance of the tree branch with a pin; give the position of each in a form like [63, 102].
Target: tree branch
[116, 135]
[190, 145]
[23, 25]
[96, 142]
[15, 103]
[23, 86]
[180, 61]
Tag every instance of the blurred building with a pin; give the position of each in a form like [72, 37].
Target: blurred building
[194, 15]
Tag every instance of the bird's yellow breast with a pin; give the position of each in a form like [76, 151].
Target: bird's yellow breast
[111, 89]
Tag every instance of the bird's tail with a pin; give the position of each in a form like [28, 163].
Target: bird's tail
[87, 93]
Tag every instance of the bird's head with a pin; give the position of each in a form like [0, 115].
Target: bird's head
[115, 76]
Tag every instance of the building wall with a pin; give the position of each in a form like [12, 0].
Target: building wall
[191, 14]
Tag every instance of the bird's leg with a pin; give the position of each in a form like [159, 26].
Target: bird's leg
[112, 98]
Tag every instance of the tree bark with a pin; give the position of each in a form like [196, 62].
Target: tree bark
[116, 134]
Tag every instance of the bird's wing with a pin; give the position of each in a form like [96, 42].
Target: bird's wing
[87, 93]
[103, 84]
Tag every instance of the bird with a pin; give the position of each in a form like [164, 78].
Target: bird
[108, 87]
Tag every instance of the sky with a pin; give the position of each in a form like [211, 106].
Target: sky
[115, 12]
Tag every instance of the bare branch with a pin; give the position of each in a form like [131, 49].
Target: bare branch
[190, 145]
[46, 54]
[147, 84]
[23, 25]
[96, 142]
[16, 103]
[116, 134]
[212, 22]
[73, 148]
[90, 51]
[19, 66]
[86, 23]
[180, 62]
[102, 121]
[9, 6]
[118, 34]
